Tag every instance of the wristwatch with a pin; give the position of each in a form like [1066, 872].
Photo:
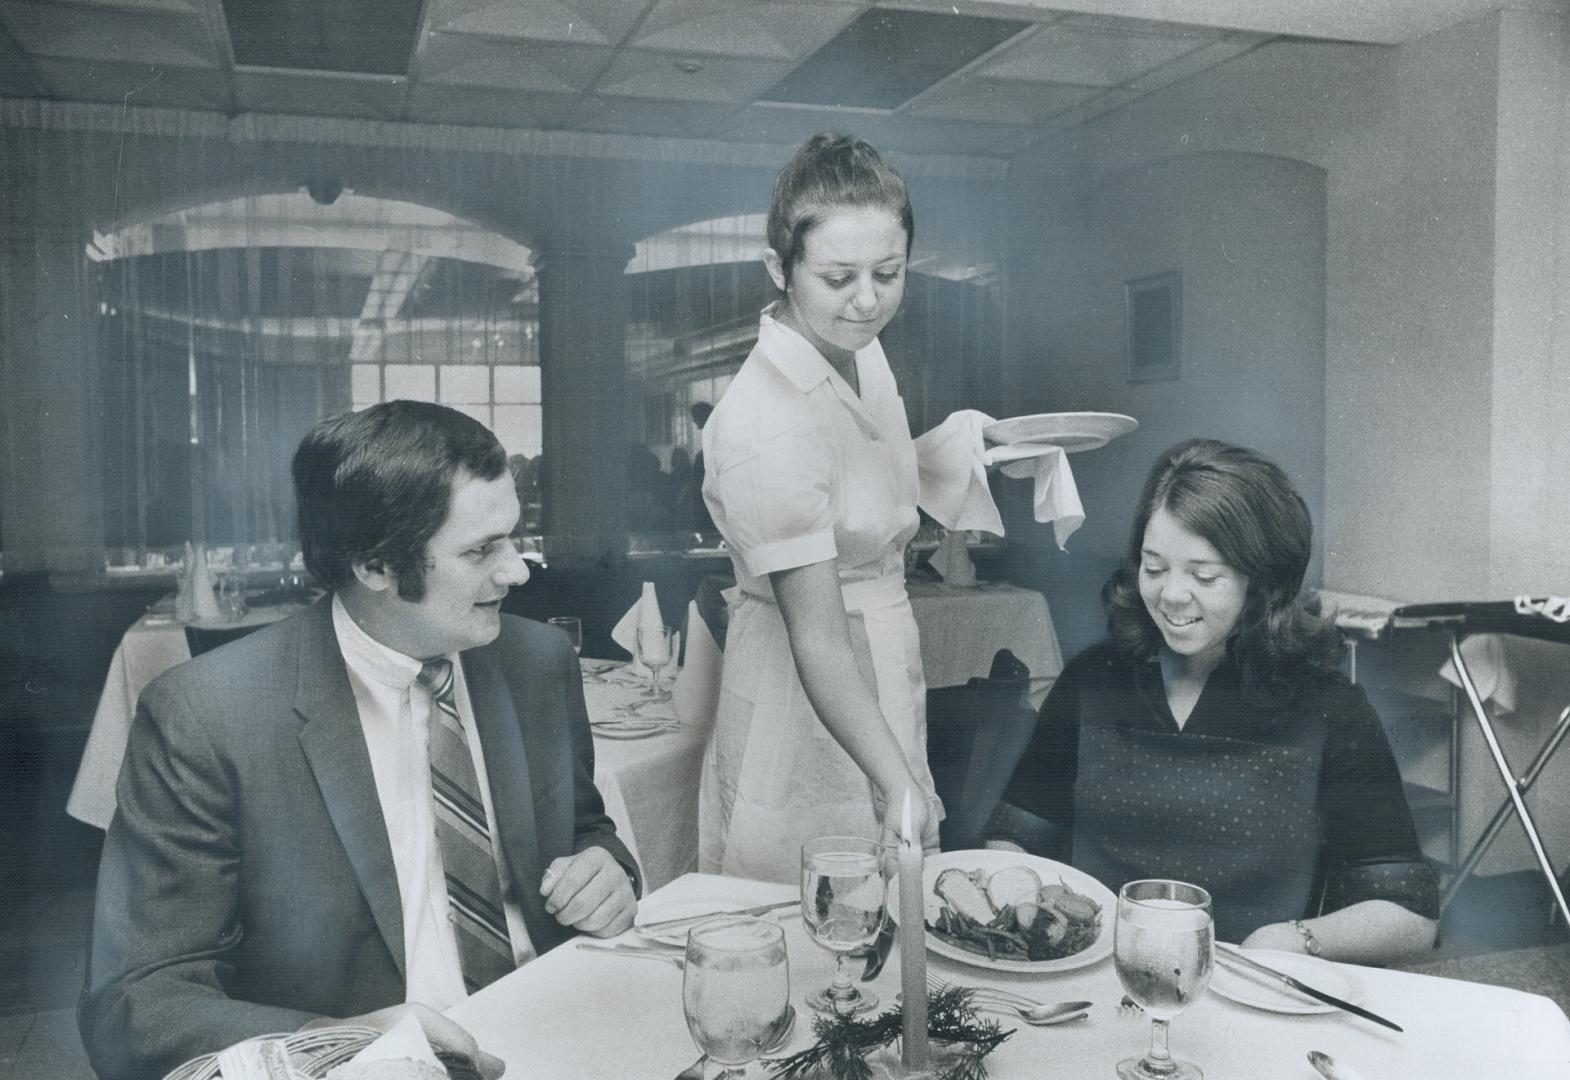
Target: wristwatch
[1310, 942]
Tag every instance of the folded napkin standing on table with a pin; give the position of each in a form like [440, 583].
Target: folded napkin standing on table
[952, 560]
[646, 611]
[696, 692]
[952, 460]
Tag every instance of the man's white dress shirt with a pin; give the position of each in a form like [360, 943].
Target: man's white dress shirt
[394, 713]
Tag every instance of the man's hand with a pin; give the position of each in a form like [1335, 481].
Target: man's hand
[591, 892]
[440, 1032]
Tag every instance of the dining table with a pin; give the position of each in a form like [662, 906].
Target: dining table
[582, 1012]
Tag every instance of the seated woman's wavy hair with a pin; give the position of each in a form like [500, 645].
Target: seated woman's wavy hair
[1246, 508]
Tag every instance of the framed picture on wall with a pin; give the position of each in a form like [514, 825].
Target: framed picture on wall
[1154, 307]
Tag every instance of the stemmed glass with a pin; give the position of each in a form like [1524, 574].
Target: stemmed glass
[842, 899]
[735, 988]
[654, 652]
[1164, 949]
[572, 626]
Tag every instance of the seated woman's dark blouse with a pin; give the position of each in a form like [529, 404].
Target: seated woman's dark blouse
[1282, 810]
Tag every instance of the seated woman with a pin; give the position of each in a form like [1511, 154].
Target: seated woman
[1213, 739]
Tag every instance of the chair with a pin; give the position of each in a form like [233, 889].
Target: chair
[206, 639]
[1521, 619]
[975, 736]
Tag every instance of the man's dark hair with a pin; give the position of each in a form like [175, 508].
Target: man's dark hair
[373, 486]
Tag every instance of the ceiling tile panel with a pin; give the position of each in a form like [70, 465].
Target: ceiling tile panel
[69, 32]
[742, 28]
[1083, 114]
[258, 90]
[916, 136]
[435, 104]
[148, 85]
[583, 22]
[790, 126]
[1004, 101]
[465, 61]
[1201, 59]
[1090, 56]
[652, 74]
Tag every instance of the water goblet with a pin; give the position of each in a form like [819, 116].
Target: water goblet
[572, 626]
[231, 596]
[654, 652]
[735, 989]
[842, 900]
[1164, 950]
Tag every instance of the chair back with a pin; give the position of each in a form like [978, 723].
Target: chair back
[975, 736]
[201, 639]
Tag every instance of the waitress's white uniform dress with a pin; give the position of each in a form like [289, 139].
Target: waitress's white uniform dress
[801, 470]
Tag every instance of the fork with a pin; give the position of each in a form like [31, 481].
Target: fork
[637, 952]
[1008, 996]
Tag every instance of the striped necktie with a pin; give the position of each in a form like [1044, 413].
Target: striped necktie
[463, 836]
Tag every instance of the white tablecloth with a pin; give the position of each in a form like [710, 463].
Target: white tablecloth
[963, 627]
[574, 1013]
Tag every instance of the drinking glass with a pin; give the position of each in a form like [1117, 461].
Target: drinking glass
[572, 626]
[654, 652]
[842, 898]
[1164, 949]
[735, 988]
[231, 596]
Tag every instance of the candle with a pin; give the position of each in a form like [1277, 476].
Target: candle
[912, 947]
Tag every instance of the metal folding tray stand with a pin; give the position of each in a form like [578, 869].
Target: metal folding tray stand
[1523, 618]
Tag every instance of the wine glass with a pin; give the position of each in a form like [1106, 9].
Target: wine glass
[1164, 949]
[654, 652]
[735, 988]
[842, 899]
[572, 626]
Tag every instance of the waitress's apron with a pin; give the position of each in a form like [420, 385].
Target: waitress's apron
[773, 775]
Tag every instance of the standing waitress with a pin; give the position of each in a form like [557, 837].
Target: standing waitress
[811, 478]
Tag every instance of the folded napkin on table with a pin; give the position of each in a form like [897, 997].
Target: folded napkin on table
[952, 560]
[646, 611]
[952, 460]
[696, 693]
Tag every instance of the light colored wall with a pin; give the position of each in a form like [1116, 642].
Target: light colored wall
[1446, 365]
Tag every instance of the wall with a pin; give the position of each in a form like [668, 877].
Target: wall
[1247, 234]
[1446, 361]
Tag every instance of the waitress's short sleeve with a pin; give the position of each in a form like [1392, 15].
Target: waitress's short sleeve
[775, 502]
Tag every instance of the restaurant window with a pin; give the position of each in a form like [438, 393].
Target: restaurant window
[229, 329]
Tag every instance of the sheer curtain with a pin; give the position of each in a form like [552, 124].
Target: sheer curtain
[184, 293]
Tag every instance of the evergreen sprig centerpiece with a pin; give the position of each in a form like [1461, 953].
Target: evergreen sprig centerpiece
[845, 1043]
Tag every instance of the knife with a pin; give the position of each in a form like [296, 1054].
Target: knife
[667, 924]
[1237, 956]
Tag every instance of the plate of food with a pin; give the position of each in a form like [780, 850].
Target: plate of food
[1009, 911]
[1260, 991]
[1073, 431]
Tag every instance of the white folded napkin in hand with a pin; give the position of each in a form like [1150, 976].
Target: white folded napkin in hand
[952, 460]
[1056, 498]
[954, 477]
[952, 560]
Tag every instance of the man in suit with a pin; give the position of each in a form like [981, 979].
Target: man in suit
[368, 809]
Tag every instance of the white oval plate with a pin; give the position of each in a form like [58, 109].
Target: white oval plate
[1074, 431]
[1050, 873]
[1260, 991]
[684, 909]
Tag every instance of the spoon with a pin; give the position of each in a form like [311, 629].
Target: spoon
[1326, 1066]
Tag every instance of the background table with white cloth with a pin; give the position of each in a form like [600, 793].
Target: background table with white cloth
[963, 626]
[647, 781]
[576, 1013]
